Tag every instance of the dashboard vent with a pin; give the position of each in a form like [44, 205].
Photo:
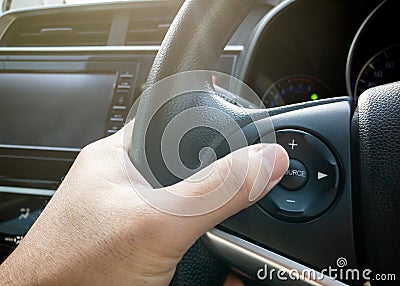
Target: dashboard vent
[79, 29]
[149, 26]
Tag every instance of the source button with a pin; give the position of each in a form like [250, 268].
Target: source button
[296, 176]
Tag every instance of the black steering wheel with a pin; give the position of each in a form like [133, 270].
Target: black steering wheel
[356, 217]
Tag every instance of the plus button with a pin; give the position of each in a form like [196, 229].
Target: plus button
[293, 144]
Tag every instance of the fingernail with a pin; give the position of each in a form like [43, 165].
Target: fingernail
[276, 161]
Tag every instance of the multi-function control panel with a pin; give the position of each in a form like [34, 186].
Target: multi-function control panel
[311, 183]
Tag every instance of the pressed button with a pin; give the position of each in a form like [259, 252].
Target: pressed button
[296, 176]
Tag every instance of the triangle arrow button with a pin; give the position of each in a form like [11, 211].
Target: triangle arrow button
[321, 175]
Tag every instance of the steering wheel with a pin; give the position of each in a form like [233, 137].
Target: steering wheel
[359, 220]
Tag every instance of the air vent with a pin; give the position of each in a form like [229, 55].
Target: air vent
[149, 26]
[78, 29]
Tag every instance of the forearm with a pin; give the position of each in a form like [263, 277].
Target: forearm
[18, 269]
[59, 250]
[29, 268]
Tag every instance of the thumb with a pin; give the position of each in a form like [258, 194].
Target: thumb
[236, 181]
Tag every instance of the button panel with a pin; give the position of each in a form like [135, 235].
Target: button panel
[121, 102]
[311, 184]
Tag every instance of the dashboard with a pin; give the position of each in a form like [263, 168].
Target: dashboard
[301, 54]
[374, 55]
[68, 76]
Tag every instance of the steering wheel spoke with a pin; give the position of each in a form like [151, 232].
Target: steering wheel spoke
[293, 228]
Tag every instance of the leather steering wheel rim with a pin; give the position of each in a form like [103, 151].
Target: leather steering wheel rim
[194, 41]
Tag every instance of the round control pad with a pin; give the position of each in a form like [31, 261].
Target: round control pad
[311, 183]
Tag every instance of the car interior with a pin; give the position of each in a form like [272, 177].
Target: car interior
[326, 73]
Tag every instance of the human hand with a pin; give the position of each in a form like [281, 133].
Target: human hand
[96, 230]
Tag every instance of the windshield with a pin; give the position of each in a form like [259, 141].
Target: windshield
[18, 4]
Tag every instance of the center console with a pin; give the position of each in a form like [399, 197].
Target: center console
[55, 101]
